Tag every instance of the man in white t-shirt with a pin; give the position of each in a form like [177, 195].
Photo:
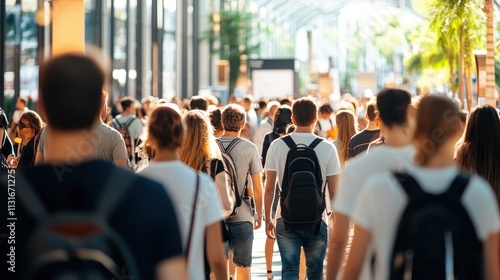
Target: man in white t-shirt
[290, 241]
[395, 155]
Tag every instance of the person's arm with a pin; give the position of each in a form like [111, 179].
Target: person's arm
[269, 197]
[491, 255]
[360, 242]
[257, 192]
[215, 251]
[333, 182]
[337, 244]
[173, 268]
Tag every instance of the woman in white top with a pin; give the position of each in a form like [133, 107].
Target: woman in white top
[382, 201]
[165, 135]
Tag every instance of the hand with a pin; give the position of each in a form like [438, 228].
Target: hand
[12, 161]
[257, 223]
[270, 229]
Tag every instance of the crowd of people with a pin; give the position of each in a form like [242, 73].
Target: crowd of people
[411, 183]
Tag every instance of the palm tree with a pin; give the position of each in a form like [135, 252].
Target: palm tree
[456, 23]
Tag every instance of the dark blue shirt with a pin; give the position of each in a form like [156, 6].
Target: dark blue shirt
[144, 217]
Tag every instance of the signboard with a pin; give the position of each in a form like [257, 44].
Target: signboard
[273, 78]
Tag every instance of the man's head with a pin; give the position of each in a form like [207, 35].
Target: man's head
[233, 118]
[71, 91]
[304, 112]
[198, 102]
[325, 111]
[392, 105]
[21, 103]
[128, 105]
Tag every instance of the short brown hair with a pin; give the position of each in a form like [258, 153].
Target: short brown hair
[165, 126]
[304, 111]
[71, 91]
[233, 117]
[216, 119]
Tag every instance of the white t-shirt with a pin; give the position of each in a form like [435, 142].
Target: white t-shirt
[356, 171]
[324, 125]
[179, 181]
[382, 201]
[384, 158]
[325, 151]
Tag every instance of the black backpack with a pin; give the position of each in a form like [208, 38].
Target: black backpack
[436, 238]
[302, 192]
[231, 171]
[77, 245]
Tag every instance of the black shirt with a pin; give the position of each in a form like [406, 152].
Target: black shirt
[144, 217]
[268, 139]
[359, 142]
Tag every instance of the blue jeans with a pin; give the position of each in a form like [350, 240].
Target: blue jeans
[241, 243]
[291, 240]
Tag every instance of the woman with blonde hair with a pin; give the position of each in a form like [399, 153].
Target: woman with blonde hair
[199, 151]
[199, 209]
[346, 124]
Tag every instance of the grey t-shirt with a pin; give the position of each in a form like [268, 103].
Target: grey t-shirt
[108, 143]
[246, 160]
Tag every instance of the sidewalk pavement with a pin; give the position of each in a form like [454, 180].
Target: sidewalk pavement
[259, 261]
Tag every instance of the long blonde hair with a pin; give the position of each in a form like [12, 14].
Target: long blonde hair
[346, 123]
[198, 145]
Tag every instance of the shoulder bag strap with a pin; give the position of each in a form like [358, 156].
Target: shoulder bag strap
[190, 234]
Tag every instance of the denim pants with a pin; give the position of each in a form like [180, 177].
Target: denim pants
[290, 242]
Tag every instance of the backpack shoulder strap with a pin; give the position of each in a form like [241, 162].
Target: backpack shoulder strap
[111, 196]
[289, 142]
[115, 123]
[233, 144]
[221, 147]
[130, 121]
[457, 187]
[315, 142]
[409, 185]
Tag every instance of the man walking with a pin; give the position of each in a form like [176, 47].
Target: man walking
[294, 227]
